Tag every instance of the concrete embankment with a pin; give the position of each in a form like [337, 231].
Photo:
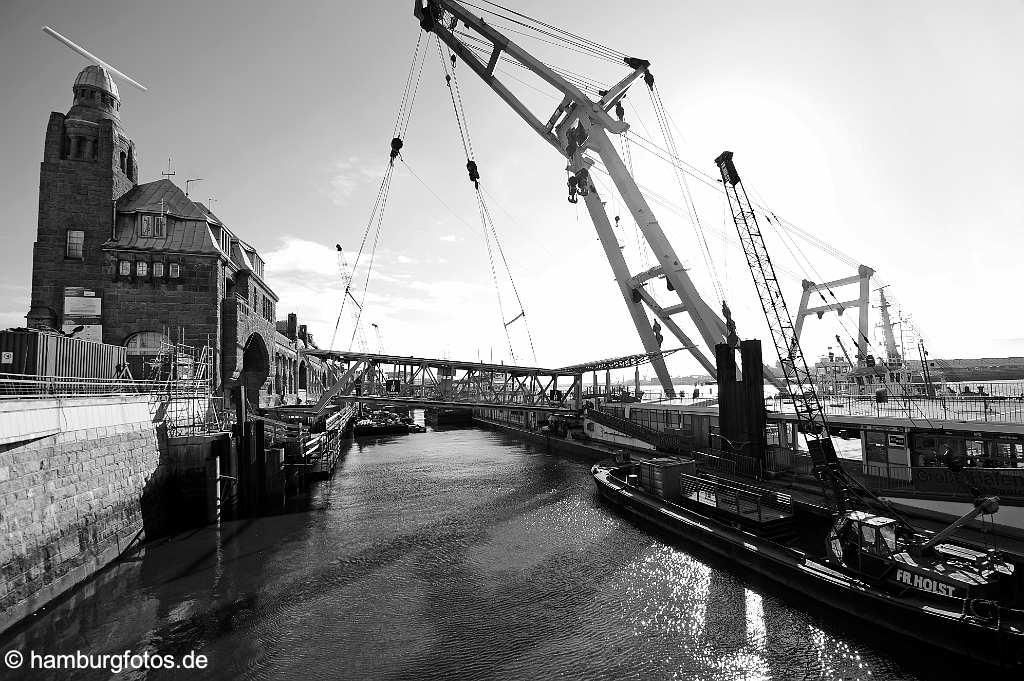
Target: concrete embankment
[81, 479]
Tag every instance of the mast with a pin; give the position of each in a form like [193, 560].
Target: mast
[892, 353]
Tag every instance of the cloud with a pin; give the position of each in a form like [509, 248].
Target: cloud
[448, 237]
[349, 175]
[301, 255]
[406, 260]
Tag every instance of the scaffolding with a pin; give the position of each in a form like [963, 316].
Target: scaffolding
[181, 390]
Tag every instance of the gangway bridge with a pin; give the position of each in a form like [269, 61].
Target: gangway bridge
[424, 382]
[447, 383]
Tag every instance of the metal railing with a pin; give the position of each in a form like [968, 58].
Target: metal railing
[784, 460]
[743, 500]
[659, 438]
[875, 476]
[880, 476]
[28, 386]
[715, 463]
[989, 408]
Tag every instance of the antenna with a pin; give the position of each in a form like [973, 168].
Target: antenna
[92, 57]
[195, 179]
[168, 173]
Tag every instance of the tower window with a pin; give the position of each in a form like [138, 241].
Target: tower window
[174, 270]
[124, 162]
[159, 226]
[125, 268]
[75, 244]
[146, 226]
[158, 269]
[141, 268]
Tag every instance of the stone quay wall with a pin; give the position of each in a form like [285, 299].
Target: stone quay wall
[70, 500]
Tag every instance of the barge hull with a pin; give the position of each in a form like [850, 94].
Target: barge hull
[927, 624]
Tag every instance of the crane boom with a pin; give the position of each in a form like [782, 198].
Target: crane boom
[791, 356]
[355, 311]
[576, 126]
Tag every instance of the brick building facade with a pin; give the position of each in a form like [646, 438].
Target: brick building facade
[140, 264]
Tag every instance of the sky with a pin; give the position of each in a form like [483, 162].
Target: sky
[888, 130]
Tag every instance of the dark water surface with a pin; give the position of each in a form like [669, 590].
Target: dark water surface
[456, 554]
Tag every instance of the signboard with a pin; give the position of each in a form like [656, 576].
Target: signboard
[1006, 483]
[83, 307]
[897, 440]
[7, 358]
[81, 302]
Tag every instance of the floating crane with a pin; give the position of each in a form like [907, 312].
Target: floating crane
[578, 125]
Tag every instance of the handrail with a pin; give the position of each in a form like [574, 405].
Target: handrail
[658, 438]
[719, 492]
[41, 387]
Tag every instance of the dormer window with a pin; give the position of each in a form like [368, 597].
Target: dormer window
[153, 226]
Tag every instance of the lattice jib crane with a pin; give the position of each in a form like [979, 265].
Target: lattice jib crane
[355, 312]
[794, 365]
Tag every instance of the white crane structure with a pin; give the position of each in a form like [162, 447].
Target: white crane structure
[577, 126]
[863, 302]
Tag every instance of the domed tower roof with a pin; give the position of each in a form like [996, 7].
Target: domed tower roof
[97, 77]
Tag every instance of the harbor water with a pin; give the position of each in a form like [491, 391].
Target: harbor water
[459, 554]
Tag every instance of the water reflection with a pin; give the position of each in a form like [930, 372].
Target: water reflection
[457, 554]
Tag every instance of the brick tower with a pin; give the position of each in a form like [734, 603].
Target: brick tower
[88, 163]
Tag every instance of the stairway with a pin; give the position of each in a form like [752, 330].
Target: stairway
[660, 440]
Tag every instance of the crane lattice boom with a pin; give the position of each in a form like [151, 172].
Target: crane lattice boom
[791, 356]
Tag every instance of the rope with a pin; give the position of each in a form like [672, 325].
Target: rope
[486, 219]
[385, 183]
[408, 88]
[373, 254]
[448, 78]
[684, 188]
[508, 270]
[482, 49]
[561, 35]
[380, 201]
[494, 275]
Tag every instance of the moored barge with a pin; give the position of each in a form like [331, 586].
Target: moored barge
[961, 600]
